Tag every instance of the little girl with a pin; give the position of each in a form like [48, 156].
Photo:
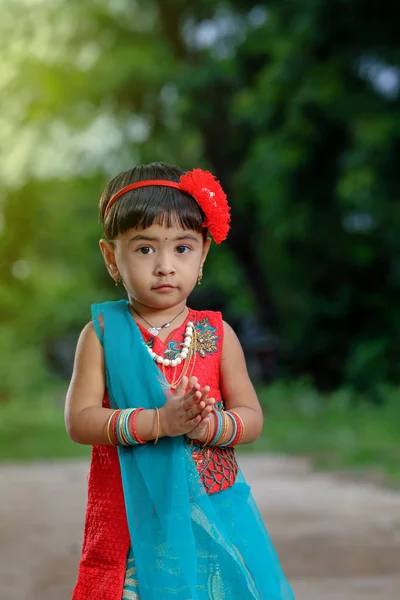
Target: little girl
[162, 394]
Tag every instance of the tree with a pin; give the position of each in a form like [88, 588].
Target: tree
[292, 106]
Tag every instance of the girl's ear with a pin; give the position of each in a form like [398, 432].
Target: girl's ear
[108, 252]
[206, 247]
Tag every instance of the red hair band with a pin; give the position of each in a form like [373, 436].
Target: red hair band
[204, 188]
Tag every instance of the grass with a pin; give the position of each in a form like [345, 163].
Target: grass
[35, 430]
[337, 432]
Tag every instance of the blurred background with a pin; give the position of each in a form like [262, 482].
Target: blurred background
[295, 107]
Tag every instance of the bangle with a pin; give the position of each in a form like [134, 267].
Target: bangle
[125, 425]
[108, 427]
[124, 435]
[209, 433]
[218, 427]
[120, 435]
[240, 430]
[134, 432]
[235, 429]
[119, 427]
[158, 426]
[225, 429]
[114, 426]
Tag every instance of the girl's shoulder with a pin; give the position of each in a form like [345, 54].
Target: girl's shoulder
[212, 316]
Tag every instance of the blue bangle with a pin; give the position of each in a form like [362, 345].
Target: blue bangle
[217, 435]
[234, 430]
[118, 429]
[125, 425]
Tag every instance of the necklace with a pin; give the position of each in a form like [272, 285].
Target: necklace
[188, 366]
[154, 330]
[183, 354]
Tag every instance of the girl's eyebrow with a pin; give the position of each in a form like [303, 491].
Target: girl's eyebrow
[186, 236]
[149, 238]
[146, 238]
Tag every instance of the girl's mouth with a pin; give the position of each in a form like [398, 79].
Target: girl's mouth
[164, 287]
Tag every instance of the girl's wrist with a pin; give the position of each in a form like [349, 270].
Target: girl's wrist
[163, 422]
[149, 424]
[207, 435]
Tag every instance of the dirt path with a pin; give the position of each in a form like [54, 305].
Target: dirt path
[336, 539]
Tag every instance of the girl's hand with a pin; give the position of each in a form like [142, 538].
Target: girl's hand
[200, 432]
[182, 411]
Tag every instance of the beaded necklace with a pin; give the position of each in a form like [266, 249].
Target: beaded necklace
[187, 355]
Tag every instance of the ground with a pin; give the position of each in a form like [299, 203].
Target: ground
[336, 538]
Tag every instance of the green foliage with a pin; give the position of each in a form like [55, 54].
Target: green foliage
[289, 103]
[32, 428]
[339, 431]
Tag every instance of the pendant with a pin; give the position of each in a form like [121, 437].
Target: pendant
[153, 331]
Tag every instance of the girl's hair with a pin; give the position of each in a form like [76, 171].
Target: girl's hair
[140, 208]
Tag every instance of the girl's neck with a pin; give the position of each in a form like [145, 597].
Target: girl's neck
[156, 317]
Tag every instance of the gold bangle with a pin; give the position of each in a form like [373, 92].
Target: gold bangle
[121, 431]
[158, 426]
[208, 438]
[225, 428]
[108, 427]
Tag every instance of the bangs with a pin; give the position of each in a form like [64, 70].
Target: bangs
[143, 207]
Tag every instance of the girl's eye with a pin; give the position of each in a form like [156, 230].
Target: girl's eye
[183, 249]
[145, 250]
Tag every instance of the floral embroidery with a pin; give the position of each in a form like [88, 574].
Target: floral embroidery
[173, 349]
[206, 337]
[206, 341]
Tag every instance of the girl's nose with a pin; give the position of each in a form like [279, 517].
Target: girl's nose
[165, 266]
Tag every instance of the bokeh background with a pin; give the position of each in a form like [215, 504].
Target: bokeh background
[295, 107]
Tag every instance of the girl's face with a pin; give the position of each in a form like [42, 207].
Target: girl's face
[159, 266]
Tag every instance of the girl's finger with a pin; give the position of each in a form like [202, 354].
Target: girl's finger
[206, 412]
[192, 388]
[193, 395]
[193, 381]
[190, 403]
[204, 393]
[189, 425]
[182, 386]
[193, 411]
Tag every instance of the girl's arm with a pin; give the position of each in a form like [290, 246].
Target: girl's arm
[85, 418]
[237, 390]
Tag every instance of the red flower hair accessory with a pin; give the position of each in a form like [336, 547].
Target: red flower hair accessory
[205, 189]
[211, 198]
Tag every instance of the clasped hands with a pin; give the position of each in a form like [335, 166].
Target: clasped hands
[187, 411]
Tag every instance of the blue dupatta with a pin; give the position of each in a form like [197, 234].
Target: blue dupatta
[187, 545]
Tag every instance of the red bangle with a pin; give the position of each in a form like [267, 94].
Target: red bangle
[114, 427]
[132, 426]
[240, 429]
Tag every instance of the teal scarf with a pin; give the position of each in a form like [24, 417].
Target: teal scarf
[187, 545]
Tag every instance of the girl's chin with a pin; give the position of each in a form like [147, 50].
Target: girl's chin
[162, 300]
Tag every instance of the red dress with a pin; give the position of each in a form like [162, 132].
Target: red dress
[106, 537]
